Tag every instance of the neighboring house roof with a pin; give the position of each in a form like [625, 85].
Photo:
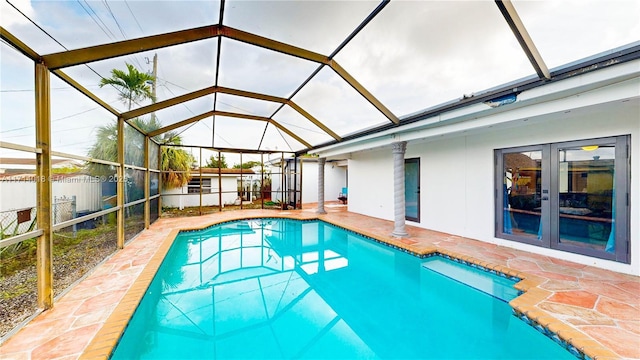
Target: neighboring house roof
[32, 161]
[8, 172]
[32, 177]
[308, 159]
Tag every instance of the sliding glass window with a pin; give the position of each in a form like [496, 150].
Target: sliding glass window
[569, 196]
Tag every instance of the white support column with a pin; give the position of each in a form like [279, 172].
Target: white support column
[321, 162]
[398, 190]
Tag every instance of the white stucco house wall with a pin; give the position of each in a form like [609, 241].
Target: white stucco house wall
[189, 195]
[335, 179]
[18, 185]
[456, 151]
[73, 195]
[19, 191]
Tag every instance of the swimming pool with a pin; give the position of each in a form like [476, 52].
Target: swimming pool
[279, 288]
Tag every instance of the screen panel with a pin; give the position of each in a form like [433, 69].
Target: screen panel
[245, 105]
[554, 25]
[17, 105]
[301, 24]
[410, 63]
[301, 126]
[337, 105]
[238, 133]
[251, 68]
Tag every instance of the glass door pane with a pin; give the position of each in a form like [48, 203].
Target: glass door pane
[412, 189]
[523, 194]
[586, 205]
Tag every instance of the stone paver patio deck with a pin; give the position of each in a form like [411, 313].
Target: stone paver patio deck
[598, 311]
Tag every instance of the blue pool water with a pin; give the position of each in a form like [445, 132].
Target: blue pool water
[276, 288]
[494, 285]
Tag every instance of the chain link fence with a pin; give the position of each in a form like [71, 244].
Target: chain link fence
[17, 221]
[64, 208]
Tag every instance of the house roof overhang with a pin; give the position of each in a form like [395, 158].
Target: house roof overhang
[592, 83]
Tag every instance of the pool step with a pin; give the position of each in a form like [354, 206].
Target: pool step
[494, 285]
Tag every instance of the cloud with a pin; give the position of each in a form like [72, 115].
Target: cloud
[413, 55]
[336, 104]
[417, 54]
[301, 126]
[318, 26]
[255, 69]
[17, 109]
[243, 105]
[568, 30]
[10, 17]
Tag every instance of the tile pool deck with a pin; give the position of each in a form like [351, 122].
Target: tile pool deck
[596, 310]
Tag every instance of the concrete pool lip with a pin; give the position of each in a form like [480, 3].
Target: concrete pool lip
[46, 336]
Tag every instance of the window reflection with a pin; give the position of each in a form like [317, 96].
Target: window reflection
[522, 197]
[586, 190]
[567, 196]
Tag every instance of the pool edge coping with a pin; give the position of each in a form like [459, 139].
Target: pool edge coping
[107, 337]
[524, 306]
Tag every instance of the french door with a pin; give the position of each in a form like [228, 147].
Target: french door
[525, 194]
[570, 196]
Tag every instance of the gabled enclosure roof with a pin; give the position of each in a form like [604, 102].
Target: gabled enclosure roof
[262, 76]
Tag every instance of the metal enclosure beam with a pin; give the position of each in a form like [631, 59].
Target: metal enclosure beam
[167, 103]
[120, 186]
[281, 101]
[262, 118]
[311, 56]
[101, 52]
[214, 89]
[227, 114]
[147, 178]
[194, 95]
[363, 91]
[241, 116]
[160, 184]
[66, 78]
[520, 31]
[250, 94]
[127, 47]
[231, 150]
[44, 262]
[262, 182]
[219, 184]
[270, 44]
[18, 44]
[200, 187]
[181, 123]
[309, 117]
[290, 133]
[241, 182]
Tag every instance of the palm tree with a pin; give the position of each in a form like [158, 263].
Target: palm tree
[217, 162]
[105, 148]
[175, 164]
[133, 86]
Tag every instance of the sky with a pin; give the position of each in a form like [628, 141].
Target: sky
[412, 56]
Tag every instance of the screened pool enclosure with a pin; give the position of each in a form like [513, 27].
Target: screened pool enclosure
[125, 100]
